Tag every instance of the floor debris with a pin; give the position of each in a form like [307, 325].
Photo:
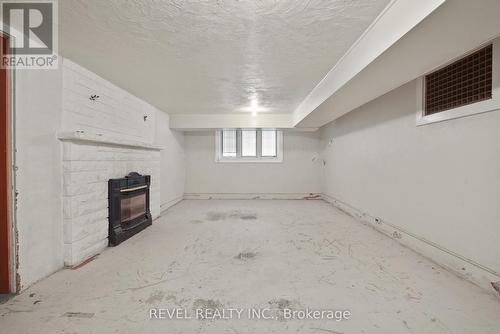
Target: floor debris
[155, 297]
[78, 315]
[326, 330]
[206, 305]
[496, 286]
[246, 255]
[85, 262]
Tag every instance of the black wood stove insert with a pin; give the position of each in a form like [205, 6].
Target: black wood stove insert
[129, 211]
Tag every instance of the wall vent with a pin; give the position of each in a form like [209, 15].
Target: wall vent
[466, 81]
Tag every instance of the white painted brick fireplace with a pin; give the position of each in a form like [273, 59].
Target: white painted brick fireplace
[87, 167]
[102, 138]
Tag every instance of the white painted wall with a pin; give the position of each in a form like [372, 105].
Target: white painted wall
[39, 176]
[227, 121]
[115, 114]
[297, 174]
[440, 182]
[172, 161]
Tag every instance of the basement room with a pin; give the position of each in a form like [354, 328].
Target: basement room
[249, 166]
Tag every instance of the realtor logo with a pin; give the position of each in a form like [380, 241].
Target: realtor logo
[31, 26]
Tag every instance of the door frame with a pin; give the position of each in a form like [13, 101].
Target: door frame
[14, 281]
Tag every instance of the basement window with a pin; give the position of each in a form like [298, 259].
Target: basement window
[249, 145]
[462, 88]
[229, 143]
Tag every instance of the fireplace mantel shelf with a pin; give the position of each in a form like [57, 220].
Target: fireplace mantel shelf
[97, 139]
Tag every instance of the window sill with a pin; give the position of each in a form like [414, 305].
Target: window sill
[473, 109]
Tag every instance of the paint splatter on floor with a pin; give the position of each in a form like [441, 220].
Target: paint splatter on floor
[78, 315]
[246, 255]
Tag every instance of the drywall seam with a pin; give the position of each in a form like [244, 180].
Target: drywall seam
[460, 265]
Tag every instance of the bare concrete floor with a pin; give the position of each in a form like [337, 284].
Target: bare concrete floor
[254, 254]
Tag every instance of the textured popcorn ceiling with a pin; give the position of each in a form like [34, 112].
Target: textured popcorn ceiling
[212, 56]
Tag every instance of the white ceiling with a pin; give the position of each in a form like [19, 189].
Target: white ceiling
[213, 56]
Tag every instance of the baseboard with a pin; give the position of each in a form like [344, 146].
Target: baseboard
[266, 196]
[167, 205]
[460, 265]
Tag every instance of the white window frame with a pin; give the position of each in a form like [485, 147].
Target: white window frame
[240, 159]
[467, 110]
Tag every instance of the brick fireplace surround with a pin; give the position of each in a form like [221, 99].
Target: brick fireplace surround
[106, 133]
[88, 164]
